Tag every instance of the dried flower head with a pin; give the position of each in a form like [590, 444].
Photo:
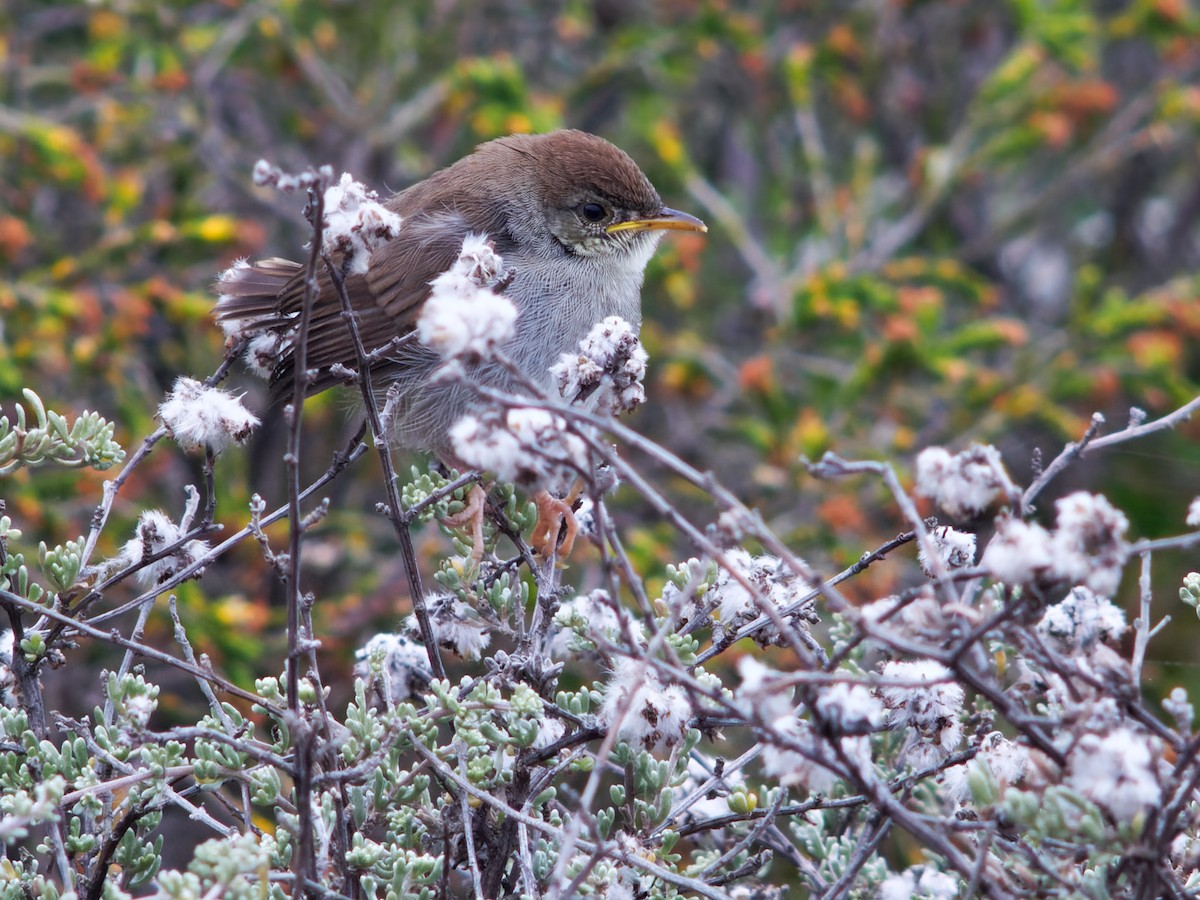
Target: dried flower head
[924, 698]
[647, 713]
[524, 445]
[464, 317]
[1089, 545]
[356, 224]
[1019, 552]
[402, 663]
[1081, 621]
[154, 534]
[199, 416]
[1117, 771]
[965, 484]
[608, 369]
[456, 625]
[955, 550]
[773, 583]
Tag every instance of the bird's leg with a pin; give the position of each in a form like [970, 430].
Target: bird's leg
[472, 515]
[555, 516]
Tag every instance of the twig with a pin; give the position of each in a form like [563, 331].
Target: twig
[398, 516]
[304, 861]
[1142, 629]
[1069, 454]
[555, 832]
[114, 637]
[340, 462]
[1089, 442]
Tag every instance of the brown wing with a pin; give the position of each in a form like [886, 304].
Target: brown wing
[400, 271]
[268, 295]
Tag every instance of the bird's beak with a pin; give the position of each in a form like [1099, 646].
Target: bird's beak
[666, 220]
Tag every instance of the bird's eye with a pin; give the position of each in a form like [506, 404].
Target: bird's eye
[593, 212]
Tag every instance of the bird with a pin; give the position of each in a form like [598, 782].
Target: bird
[573, 217]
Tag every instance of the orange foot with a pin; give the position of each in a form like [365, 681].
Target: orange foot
[553, 516]
[472, 515]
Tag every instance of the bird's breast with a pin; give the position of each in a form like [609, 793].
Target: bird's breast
[558, 302]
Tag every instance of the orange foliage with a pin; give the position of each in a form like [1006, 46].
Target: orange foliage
[1155, 348]
[841, 512]
[14, 236]
[757, 374]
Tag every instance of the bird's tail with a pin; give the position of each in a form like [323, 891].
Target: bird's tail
[260, 302]
[249, 296]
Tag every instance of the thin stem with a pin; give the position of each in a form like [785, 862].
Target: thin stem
[399, 517]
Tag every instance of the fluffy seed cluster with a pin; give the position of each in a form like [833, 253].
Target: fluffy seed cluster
[924, 700]
[154, 534]
[356, 224]
[1081, 621]
[773, 582]
[199, 416]
[792, 750]
[456, 625]
[954, 550]
[965, 484]
[1019, 552]
[919, 882]
[523, 445]
[1117, 771]
[267, 174]
[851, 707]
[1193, 514]
[608, 369]
[1089, 542]
[1087, 547]
[1006, 762]
[587, 619]
[403, 665]
[655, 714]
[464, 318]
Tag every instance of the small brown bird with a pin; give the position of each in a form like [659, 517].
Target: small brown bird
[575, 220]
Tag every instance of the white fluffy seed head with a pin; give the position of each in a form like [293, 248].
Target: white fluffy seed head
[356, 223]
[647, 713]
[154, 533]
[455, 624]
[1117, 771]
[1018, 553]
[402, 662]
[851, 707]
[199, 416]
[1081, 621]
[924, 700]
[464, 318]
[954, 549]
[1088, 545]
[965, 484]
[523, 445]
[608, 370]
[773, 583]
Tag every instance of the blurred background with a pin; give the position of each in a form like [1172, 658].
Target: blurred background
[930, 223]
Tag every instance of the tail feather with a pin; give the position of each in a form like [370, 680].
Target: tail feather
[265, 298]
[249, 295]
